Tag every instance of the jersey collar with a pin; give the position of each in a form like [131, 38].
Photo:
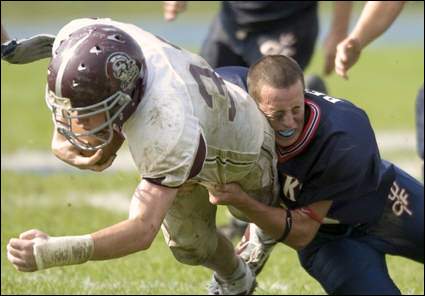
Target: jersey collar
[308, 133]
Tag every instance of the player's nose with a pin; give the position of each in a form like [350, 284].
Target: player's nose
[289, 121]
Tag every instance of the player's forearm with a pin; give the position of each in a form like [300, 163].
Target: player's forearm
[122, 239]
[149, 206]
[273, 220]
[118, 240]
[341, 17]
[269, 219]
[376, 18]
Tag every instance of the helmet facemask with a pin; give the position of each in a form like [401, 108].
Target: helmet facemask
[95, 81]
[67, 119]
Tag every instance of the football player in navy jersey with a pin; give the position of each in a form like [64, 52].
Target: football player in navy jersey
[343, 207]
[244, 31]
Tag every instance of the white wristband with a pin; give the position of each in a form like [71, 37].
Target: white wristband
[62, 250]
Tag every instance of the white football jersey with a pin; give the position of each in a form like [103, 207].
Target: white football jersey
[183, 101]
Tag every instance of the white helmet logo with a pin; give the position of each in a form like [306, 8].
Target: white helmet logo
[124, 68]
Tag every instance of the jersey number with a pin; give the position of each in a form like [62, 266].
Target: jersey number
[206, 93]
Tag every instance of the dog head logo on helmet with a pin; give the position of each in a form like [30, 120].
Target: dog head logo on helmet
[95, 79]
[123, 68]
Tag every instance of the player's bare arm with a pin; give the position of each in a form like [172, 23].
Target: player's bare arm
[337, 32]
[376, 18]
[305, 221]
[35, 250]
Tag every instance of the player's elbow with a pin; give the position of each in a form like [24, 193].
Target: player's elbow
[146, 236]
[299, 243]
[143, 241]
[301, 235]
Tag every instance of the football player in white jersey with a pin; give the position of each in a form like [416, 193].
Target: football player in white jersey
[187, 131]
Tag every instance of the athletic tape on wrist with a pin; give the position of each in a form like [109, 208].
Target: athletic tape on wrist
[63, 250]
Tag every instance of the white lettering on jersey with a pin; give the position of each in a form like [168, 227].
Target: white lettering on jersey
[291, 187]
[400, 198]
[325, 97]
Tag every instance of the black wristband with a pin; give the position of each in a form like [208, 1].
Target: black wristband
[8, 47]
[288, 226]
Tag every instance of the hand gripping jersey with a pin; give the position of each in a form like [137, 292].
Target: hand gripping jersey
[188, 112]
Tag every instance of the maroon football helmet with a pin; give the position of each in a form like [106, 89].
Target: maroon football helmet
[97, 69]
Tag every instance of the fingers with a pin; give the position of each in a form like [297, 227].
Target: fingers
[101, 167]
[20, 264]
[213, 199]
[19, 253]
[169, 16]
[30, 234]
[14, 252]
[348, 52]
[171, 8]
[341, 72]
[16, 244]
[92, 160]
[341, 67]
[84, 162]
[15, 260]
[66, 152]
[219, 197]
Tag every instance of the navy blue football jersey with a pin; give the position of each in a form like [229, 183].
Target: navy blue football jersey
[252, 13]
[335, 158]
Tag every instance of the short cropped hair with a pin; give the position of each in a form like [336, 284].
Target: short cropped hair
[277, 71]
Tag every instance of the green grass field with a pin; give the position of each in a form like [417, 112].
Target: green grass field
[384, 83]
[30, 201]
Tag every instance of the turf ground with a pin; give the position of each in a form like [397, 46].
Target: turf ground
[384, 83]
[31, 201]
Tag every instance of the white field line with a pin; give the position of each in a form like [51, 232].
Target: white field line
[46, 162]
[114, 201]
